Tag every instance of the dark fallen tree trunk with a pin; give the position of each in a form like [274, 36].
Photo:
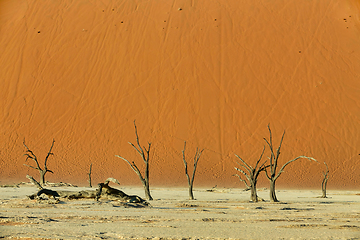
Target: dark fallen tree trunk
[63, 194]
[107, 192]
[103, 191]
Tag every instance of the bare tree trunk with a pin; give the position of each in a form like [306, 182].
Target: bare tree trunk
[254, 196]
[191, 180]
[323, 187]
[147, 183]
[42, 177]
[191, 195]
[147, 192]
[273, 197]
[90, 175]
[324, 181]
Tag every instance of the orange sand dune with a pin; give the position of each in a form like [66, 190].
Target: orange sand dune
[212, 73]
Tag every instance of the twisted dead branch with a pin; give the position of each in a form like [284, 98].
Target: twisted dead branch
[273, 175]
[191, 180]
[145, 155]
[30, 154]
[252, 174]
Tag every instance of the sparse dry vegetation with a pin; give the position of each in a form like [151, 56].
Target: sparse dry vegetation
[324, 181]
[30, 155]
[252, 174]
[145, 156]
[273, 174]
[191, 180]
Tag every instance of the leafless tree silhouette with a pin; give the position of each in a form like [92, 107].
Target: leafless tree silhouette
[191, 180]
[274, 157]
[30, 154]
[145, 155]
[252, 175]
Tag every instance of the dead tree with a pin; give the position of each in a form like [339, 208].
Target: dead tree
[274, 157]
[191, 180]
[90, 175]
[31, 155]
[324, 181]
[145, 155]
[252, 175]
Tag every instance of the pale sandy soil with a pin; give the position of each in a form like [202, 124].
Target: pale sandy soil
[222, 214]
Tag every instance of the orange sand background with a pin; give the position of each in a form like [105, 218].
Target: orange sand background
[213, 73]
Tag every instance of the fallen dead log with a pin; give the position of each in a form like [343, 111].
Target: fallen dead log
[103, 191]
[107, 192]
[63, 194]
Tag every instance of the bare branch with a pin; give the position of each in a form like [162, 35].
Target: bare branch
[137, 139]
[282, 168]
[33, 181]
[32, 156]
[267, 175]
[263, 166]
[31, 166]
[246, 165]
[127, 162]
[327, 170]
[260, 157]
[245, 174]
[146, 159]
[136, 148]
[49, 153]
[185, 163]
[270, 146]
[137, 170]
[242, 180]
[249, 169]
[110, 179]
[196, 159]
[278, 149]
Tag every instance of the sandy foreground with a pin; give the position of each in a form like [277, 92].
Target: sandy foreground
[220, 214]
